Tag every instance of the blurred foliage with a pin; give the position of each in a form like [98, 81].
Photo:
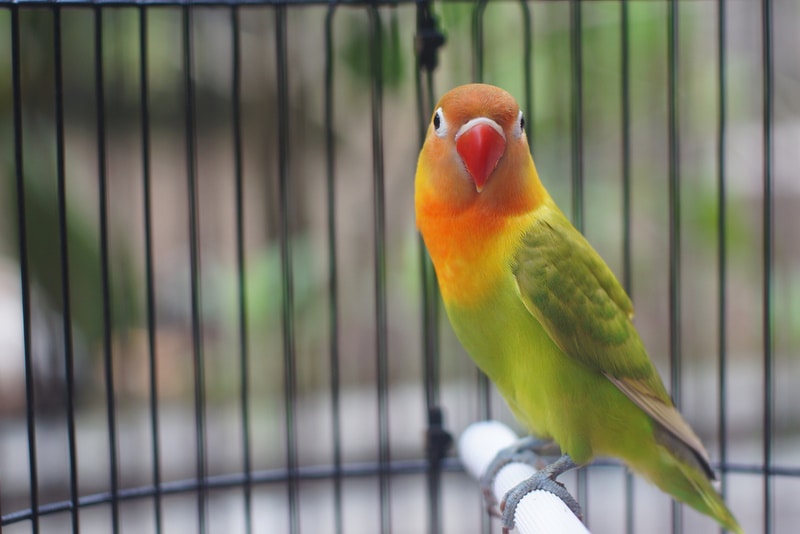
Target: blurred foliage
[42, 215]
[394, 51]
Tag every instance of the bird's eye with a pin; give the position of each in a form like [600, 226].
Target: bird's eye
[519, 127]
[439, 124]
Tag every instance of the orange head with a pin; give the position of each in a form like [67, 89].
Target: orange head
[476, 156]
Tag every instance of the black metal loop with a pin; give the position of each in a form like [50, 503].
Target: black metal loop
[428, 39]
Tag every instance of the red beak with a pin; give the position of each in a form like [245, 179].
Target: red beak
[480, 148]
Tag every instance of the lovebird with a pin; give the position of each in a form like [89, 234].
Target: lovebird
[537, 308]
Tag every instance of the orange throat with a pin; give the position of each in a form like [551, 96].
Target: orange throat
[471, 250]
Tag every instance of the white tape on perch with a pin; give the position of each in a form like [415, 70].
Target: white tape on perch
[539, 512]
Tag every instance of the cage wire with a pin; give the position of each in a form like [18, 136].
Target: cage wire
[218, 316]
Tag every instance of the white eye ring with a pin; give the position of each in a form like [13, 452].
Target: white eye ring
[439, 124]
[519, 127]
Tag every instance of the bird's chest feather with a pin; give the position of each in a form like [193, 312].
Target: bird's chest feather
[472, 254]
[490, 319]
[510, 346]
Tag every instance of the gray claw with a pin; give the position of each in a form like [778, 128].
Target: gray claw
[527, 450]
[543, 480]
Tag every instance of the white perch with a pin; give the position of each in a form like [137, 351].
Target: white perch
[539, 512]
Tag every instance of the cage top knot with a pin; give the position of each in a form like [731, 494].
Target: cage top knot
[428, 38]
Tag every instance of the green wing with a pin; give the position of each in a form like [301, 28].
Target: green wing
[570, 290]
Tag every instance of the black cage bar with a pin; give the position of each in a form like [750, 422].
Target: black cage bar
[219, 317]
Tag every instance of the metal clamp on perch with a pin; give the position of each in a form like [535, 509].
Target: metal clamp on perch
[539, 512]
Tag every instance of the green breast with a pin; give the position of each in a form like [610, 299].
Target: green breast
[512, 349]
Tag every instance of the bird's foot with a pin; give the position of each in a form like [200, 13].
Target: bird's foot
[528, 450]
[544, 480]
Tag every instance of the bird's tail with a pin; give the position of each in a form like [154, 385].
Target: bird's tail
[687, 482]
[706, 499]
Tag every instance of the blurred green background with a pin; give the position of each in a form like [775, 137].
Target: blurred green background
[550, 119]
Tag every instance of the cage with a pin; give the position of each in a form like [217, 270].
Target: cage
[218, 315]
